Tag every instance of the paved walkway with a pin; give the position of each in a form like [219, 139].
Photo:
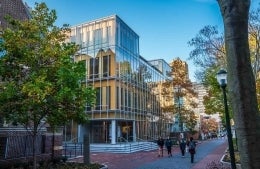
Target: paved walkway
[207, 151]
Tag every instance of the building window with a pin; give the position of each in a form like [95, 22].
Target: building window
[108, 97]
[98, 98]
[108, 34]
[117, 97]
[93, 68]
[98, 36]
[106, 66]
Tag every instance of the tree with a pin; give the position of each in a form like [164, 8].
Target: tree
[209, 54]
[241, 80]
[181, 89]
[208, 49]
[254, 45]
[254, 39]
[40, 82]
[191, 121]
[209, 125]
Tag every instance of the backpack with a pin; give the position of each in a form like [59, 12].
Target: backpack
[192, 145]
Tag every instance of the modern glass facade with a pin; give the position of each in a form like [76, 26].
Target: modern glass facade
[128, 104]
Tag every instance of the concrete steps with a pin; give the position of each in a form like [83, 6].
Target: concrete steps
[76, 149]
[124, 147]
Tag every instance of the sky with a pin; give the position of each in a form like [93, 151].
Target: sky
[164, 26]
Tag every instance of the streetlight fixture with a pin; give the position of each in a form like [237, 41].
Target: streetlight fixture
[222, 80]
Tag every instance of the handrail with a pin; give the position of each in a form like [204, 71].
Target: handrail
[122, 138]
[151, 138]
[74, 140]
[125, 140]
[137, 138]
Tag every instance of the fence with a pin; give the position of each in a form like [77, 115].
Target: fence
[72, 149]
[20, 146]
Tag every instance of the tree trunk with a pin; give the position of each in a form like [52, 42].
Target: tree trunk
[86, 145]
[86, 149]
[241, 82]
[53, 143]
[34, 149]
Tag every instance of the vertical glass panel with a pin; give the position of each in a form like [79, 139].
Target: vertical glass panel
[91, 67]
[97, 36]
[96, 68]
[98, 98]
[108, 34]
[108, 99]
[106, 66]
[117, 97]
[122, 99]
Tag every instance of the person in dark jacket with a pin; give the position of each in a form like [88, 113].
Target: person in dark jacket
[192, 146]
[160, 143]
[168, 145]
[183, 146]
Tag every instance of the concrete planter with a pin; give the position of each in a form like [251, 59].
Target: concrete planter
[104, 167]
[228, 164]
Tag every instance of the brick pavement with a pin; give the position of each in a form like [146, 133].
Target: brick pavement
[135, 160]
[216, 155]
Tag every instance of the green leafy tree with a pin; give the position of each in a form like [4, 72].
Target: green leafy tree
[241, 80]
[40, 82]
[209, 52]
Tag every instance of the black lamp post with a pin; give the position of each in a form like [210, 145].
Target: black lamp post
[178, 92]
[222, 80]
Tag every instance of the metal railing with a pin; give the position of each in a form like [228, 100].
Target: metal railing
[72, 149]
[20, 146]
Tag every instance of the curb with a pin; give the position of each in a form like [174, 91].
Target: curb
[228, 163]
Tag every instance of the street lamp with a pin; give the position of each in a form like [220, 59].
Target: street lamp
[222, 80]
[178, 92]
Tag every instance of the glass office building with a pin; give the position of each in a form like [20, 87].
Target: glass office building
[128, 99]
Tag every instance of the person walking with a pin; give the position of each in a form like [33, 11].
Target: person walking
[192, 149]
[183, 146]
[168, 144]
[160, 143]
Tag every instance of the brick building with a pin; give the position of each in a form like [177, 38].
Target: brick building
[16, 141]
[15, 8]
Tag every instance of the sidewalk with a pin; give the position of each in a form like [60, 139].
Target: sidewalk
[207, 151]
[216, 155]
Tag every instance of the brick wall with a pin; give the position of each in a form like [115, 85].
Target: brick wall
[15, 8]
[19, 143]
[57, 143]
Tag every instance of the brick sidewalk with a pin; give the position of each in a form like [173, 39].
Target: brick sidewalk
[134, 160]
[216, 155]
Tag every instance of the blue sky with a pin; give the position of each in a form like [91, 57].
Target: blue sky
[164, 26]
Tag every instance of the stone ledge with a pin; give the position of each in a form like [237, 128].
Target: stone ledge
[228, 164]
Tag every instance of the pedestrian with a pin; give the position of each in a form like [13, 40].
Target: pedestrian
[168, 144]
[192, 149]
[160, 143]
[183, 146]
